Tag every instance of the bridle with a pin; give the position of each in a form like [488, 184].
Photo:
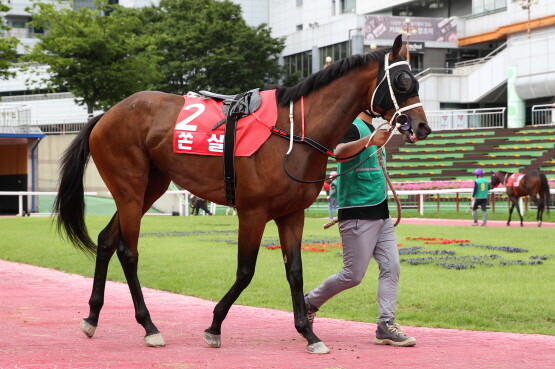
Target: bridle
[399, 120]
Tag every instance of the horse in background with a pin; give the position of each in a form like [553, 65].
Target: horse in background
[532, 184]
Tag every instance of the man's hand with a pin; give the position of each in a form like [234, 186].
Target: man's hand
[379, 137]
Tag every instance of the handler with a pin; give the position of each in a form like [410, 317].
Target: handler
[366, 231]
[480, 197]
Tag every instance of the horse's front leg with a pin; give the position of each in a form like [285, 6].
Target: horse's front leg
[290, 234]
[251, 228]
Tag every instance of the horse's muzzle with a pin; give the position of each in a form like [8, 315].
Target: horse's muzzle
[423, 131]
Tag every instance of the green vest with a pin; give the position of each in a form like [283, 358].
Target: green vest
[366, 185]
[482, 188]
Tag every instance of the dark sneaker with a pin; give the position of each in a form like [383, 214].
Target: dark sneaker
[391, 334]
[311, 310]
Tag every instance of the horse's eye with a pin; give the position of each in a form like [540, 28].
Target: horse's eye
[403, 81]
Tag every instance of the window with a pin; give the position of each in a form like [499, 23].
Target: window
[336, 52]
[299, 63]
[348, 6]
[485, 6]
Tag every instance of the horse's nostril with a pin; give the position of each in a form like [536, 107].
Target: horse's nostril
[423, 131]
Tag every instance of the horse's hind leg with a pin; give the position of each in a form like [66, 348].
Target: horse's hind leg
[251, 228]
[511, 208]
[130, 218]
[290, 229]
[538, 201]
[107, 243]
[108, 240]
[539, 217]
[519, 212]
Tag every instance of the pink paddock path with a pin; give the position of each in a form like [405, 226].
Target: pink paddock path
[40, 312]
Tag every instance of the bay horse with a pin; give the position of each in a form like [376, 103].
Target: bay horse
[533, 184]
[131, 145]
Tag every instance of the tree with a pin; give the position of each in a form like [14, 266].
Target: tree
[206, 44]
[8, 46]
[100, 59]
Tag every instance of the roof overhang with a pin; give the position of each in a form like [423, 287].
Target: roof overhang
[20, 132]
[502, 32]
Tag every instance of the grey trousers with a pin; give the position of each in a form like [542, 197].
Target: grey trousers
[362, 240]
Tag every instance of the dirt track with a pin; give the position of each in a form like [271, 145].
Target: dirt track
[40, 311]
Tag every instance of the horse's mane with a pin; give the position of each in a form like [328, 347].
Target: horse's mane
[325, 76]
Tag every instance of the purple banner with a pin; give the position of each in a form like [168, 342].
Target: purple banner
[420, 28]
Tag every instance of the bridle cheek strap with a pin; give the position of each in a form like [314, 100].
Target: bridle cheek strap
[398, 111]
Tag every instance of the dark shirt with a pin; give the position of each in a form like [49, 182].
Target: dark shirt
[380, 211]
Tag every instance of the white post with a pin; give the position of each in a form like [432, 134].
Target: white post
[20, 202]
[180, 203]
[421, 204]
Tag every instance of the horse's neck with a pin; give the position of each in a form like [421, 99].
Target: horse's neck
[332, 109]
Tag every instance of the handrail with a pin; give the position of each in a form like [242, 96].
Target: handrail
[433, 70]
[468, 63]
[543, 114]
[466, 118]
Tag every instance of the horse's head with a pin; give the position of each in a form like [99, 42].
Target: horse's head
[495, 179]
[395, 96]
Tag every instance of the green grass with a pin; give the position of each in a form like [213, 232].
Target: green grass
[189, 255]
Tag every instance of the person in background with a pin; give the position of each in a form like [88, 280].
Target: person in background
[331, 195]
[199, 204]
[366, 231]
[480, 197]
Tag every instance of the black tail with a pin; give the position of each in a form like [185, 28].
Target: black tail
[70, 201]
[545, 191]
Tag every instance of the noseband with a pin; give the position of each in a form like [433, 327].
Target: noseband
[399, 119]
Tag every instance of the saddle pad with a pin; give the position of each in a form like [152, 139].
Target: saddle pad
[193, 132]
[514, 180]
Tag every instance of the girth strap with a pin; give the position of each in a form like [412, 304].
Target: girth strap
[230, 179]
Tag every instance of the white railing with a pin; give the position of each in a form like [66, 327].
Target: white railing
[15, 116]
[468, 63]
[182, 199]
[543, 115]
[440, 120]
[433, 71]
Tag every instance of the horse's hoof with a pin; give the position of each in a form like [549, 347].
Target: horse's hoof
[213, 340]
[87, 328]
[539, 224]
[155, 340]
[318, 348]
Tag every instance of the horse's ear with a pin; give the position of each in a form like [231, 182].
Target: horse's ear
[404, 51]
[395, 50]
